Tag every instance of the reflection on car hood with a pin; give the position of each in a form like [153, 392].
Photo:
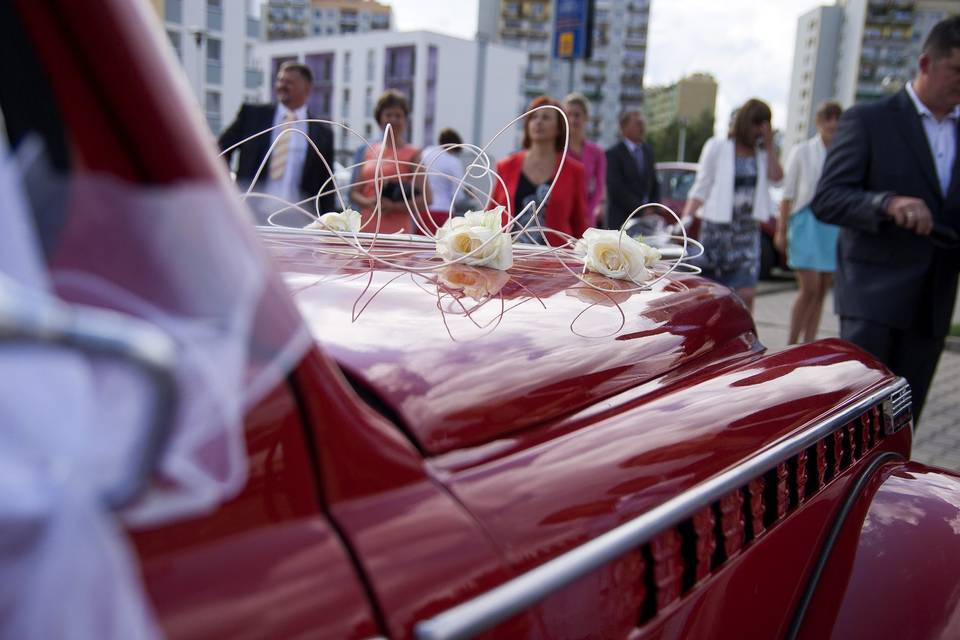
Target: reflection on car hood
[464, 355]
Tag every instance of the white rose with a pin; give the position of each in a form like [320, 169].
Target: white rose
[476, 239]
[490, 219]
[475, 283]
[347, 221]
[616, 255]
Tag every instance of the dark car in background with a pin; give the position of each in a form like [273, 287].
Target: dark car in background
[676, 179]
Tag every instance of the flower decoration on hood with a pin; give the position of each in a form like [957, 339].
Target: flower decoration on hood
[616, 255]
[476, 239]
[346, 221]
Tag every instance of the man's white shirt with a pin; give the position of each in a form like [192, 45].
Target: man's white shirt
[288, 186]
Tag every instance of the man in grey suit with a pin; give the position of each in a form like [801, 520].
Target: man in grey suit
[892, 182]
[631, 176]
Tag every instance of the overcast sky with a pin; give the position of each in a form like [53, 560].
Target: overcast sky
[746, 44]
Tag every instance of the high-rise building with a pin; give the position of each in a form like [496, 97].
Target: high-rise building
[854, 51]
[687, 99]
[612, 79]
[450, 82]
[286, 19]
[214, 41]
[815, 56]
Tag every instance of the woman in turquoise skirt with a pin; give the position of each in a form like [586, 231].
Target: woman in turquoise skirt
[811, 245]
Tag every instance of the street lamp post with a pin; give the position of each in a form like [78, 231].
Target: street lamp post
[199, 35]
[682, 142]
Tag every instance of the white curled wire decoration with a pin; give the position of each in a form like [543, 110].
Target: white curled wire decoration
[382, 249]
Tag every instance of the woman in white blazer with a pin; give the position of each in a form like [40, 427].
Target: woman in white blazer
[731, 196]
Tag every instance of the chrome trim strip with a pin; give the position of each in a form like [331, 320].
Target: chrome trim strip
[488, 609]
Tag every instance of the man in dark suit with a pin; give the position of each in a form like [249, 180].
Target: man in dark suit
[892, 181]
[293, 172]
[631, 178]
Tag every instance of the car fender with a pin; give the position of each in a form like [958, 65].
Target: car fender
[893, 570]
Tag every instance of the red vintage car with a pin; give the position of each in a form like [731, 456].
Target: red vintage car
[469, 455]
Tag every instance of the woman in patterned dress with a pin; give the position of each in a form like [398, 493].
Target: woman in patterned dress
[731, 196]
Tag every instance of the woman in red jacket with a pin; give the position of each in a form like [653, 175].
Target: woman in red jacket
[529, 173]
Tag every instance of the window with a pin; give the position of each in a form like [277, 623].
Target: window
[173, 10]
[214, 15]
[175, 43]
[212, 102]
[213, 50]
[370, 65]
[346, 66]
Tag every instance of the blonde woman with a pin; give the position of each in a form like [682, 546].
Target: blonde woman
[592, 156]
[811, 245]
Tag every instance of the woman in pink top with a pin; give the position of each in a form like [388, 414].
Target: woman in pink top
[392, 108]
[591, 155]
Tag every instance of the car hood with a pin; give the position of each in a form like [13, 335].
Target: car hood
[464, 355]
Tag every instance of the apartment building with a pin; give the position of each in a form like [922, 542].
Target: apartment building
[450, 82]
[612, 79]
[214, 41]
[854, 51]
[285, 19]
[687, 99]
[815, 57]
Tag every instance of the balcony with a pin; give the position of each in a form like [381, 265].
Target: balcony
[253, 28]
[253, 78]
[531, 87]
[214, 19]
[214, 72]
[538, 47]
[173, 10]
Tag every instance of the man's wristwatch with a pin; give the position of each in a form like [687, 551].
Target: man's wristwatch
[880, 201]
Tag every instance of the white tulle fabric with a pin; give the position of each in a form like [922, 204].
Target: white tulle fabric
[182, 258]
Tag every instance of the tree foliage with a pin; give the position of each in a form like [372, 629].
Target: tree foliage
[666, 141]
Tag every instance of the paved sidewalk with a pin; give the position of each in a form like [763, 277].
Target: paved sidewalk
[938, 438]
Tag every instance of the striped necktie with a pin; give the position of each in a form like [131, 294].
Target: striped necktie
[278, 158]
